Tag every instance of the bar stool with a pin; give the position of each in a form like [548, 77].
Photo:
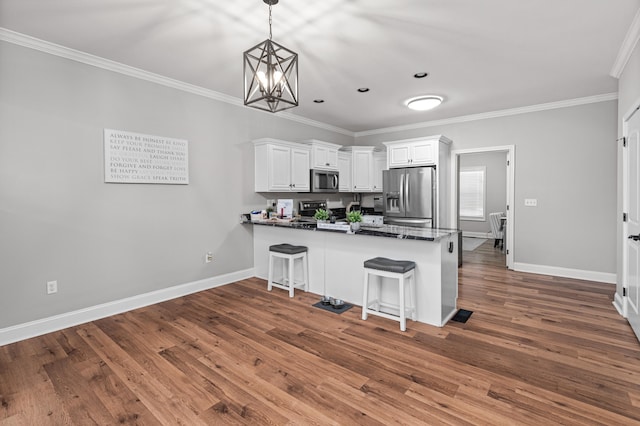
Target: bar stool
[403, 271]
[288, 253]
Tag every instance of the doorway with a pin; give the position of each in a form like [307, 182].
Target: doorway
[508, 152]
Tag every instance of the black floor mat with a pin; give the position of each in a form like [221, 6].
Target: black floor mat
[330, 308]
[462, 315]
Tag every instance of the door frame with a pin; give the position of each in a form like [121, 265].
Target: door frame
[510, 150]
[620, 301]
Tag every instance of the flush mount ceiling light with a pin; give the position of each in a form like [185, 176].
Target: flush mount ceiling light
[270, 74]
[423, 103]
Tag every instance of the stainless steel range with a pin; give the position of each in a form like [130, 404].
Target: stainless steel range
[307, 209]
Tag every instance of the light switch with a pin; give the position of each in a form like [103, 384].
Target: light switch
[530, 202]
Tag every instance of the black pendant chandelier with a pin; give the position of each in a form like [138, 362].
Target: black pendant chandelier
[270, 74]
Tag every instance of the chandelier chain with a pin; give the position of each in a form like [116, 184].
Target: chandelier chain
[270, 35]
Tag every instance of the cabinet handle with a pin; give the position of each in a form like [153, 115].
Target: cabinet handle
[327, 164]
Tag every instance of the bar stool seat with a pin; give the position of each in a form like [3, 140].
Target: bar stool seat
[404, 272]
[289, 253]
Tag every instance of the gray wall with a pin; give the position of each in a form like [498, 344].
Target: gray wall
[628, 97]
[496, 186]
[566, 158]
[104, 242]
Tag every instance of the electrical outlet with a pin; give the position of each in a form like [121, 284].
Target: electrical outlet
[52, 287]
[208, 257]
[530, 202]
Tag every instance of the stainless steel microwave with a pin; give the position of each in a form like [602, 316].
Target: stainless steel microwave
[324, 180]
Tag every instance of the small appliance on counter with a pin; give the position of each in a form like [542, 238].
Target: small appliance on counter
[372, 220]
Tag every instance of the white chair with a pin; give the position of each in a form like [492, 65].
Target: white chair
[289, 254]
[496, 228]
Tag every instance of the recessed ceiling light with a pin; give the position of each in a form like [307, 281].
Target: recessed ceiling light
[318, 101]
[420, 74]
[363, 89]
[423, 103]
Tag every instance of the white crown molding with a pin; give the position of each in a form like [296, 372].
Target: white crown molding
[557, 271]
[96, 61]
[626, 49]
[86, 58]
[69, 319]
[493, 114]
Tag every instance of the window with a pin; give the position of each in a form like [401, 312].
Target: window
[472, 193]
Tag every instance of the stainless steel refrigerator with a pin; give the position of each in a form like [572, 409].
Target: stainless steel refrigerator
[409, 196]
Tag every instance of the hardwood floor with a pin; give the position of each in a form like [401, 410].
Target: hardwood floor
[537, 350]
[485, 254]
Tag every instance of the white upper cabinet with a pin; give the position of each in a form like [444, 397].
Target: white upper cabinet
[362, 170]
[379, 164]
[415, 152]
[324, 155]
[300, 178]
[281, 166]
[344, 170]
[364, 174]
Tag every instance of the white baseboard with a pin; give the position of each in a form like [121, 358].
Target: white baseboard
[579, 274]
[475, 234]
[42, 326]
[620, 305]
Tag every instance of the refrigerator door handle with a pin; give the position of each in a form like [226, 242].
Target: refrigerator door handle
[401, 198]
[407, 195]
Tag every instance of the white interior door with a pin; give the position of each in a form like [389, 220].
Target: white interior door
[632, 242]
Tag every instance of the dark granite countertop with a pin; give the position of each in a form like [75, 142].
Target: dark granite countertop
[385, 231]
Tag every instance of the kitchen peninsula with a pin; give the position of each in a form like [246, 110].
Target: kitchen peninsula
[336, 261]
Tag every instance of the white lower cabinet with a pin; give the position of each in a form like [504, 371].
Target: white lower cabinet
[336, 258]
[281, 166]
